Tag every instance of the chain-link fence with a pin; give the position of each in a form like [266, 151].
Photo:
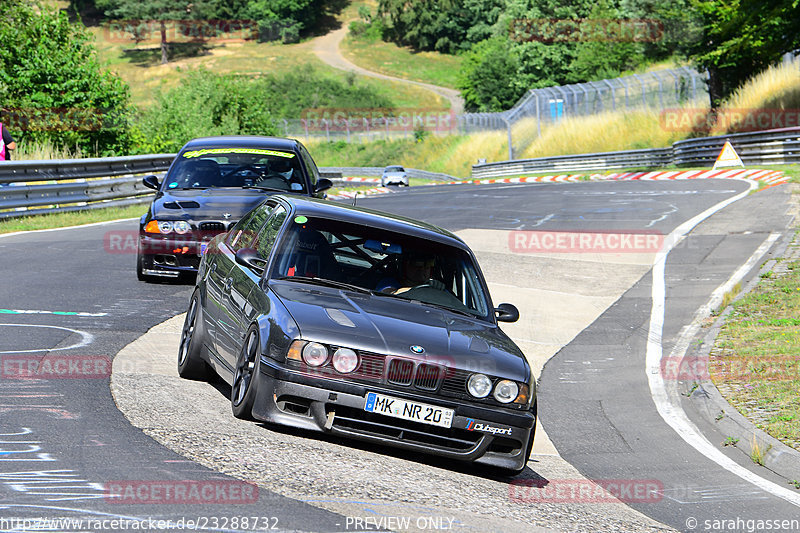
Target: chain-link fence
[656, 90]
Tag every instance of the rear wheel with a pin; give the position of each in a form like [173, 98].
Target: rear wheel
[190, 362]
[243, 391]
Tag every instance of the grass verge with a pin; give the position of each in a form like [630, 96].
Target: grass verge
[76, 218]
[755, 362]
[402, 62]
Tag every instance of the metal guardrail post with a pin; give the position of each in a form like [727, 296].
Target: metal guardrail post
[613, 95]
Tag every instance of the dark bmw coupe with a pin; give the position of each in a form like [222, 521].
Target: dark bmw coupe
[361, 324]
[210, 185]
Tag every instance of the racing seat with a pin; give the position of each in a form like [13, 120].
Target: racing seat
[313, 257]
[203, 173]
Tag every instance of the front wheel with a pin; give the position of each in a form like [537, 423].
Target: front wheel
[190, 363]
[243, 391]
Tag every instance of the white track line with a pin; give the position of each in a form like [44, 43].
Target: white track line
[668, 405]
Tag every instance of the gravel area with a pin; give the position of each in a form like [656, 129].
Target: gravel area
[350, 478]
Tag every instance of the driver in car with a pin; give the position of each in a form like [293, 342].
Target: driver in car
[415, 269]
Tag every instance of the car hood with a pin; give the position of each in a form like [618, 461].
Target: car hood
[391, 326]
[208, 204]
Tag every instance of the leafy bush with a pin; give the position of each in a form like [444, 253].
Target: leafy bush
[206, 104]
[51, 85]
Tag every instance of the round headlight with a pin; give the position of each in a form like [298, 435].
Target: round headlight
[345, 360]
[180, 227]
[479, 385]
[506, 391]
[315, 354]
[165, 226]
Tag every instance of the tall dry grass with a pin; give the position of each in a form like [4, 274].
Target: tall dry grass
[772, 93]
[44, 151]
[605, 132]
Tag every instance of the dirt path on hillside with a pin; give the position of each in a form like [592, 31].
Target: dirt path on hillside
[327, 49]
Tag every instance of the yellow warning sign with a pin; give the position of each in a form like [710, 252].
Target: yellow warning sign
[728, 157]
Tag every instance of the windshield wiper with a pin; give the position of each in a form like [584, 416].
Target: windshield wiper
[326, 282]
[264, 188]
[423, 302]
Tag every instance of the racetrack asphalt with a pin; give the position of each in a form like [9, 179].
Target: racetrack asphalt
[88, 438]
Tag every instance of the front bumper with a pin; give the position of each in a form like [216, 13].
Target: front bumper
[165, 255]
[336, 407]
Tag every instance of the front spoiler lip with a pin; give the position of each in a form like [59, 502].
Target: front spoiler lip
[275, 382]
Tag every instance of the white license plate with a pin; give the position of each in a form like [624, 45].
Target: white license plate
[414, 411]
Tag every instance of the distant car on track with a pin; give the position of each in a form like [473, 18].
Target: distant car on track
[360, 324]
[394, 175]
[210, 185]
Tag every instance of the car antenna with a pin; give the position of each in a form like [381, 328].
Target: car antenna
[355, 197]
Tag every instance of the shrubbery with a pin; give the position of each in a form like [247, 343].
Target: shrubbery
[51, 86]
[207, 104]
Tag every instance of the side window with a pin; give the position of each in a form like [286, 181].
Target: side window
[244, 234]
[270, 231]
[311, 167]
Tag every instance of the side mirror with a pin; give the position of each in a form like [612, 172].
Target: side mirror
[249, 258]
[506, 313]
[151, 182]
[323, 184]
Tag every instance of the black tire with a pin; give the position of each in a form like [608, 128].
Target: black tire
[244, 388]
[190, 361]
[140, 275]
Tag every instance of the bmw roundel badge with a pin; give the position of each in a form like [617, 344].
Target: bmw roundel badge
[417, 349]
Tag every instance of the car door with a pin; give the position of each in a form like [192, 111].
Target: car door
[243, 235]
[241, 281]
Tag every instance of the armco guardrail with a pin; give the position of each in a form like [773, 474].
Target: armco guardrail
[605, 160]
[771, 147]
[76, 184]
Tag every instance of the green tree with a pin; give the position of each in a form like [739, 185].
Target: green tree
[137, 12]
[488, 76]
[447, 26]
[51, 84]
[741, 38]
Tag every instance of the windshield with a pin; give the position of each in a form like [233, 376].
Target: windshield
[236, 167]
[394, 169]
[384, 263]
